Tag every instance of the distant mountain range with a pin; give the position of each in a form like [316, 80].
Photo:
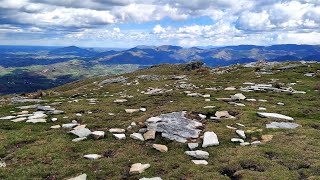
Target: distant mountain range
[149, 55]
[31, 68]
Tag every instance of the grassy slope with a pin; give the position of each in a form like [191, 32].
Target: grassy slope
[35, 151]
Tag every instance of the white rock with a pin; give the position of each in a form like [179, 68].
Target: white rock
[36, 121]
[7, 117]
[97, 134]
[137, 136]
[82, 132]
[230, 89]
[262, 109]
[133, 124]
[210, 139]
[80, 177]
[254, 143]
[92, 156]
[280, 104]
[55, 127]
[138, 168]
[69, 125]
[239, 124]
[132, 110]
[275, 115]
[120, 100]
[251, 100]
[245, 144]
[54, 119]
[241, 133]
[117, 130]
[237, 140]
[19, 119]
[262, 100]
[143, 109]
[154, 178]
[199, 154]
[202, 116]
[200, 162]
[238, 96]
[230, 127]
[79, 139]
[209, 107]
[193, 146]
[119, 136]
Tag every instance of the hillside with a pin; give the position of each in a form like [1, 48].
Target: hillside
[184, 103]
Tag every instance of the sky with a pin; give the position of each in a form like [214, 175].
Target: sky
[128, 23]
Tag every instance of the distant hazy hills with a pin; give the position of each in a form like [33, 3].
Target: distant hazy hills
[148, 55]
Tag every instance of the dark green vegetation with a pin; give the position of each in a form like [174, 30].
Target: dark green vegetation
[34, 151]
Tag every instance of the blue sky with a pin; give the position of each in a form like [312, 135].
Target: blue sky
[128, 23]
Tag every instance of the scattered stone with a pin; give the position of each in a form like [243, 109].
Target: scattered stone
[143, 109]
[262, 109]
[132, 110]
[282, 125]
[202, 116]
[150, 134]
[117, 130]
[154, 178]
[137, 136]
[69, 125]
[133, 124]
[223, 114]
[241, 133]
[238, 96]
[230, 89]
[280, 104]
[237, 140]
[251, 100]
[274, 115]
[138, 168]
[200, 162]
[97, 134]
[255, 143]
[7, 117]
[55, 127]
[80, 177]
[175, 126]
[210, 139]
[78, 114]
[36, 121]
[245, 144]
[79, 139]
[239, 124]
[92, 156]
[19, 119]
[82, 132]
[54, 119]
[199, 154]
[119, 136]
[45, 108]
[209, 107]
[192, 146]
[160, 147]
[55, 112]
[230, 127]
[120, 100]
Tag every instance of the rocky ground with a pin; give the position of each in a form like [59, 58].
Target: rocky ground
[257, 121]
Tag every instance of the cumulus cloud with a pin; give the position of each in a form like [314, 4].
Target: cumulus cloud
[233, 21]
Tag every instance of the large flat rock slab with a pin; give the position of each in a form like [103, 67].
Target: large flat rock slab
[175, 126]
